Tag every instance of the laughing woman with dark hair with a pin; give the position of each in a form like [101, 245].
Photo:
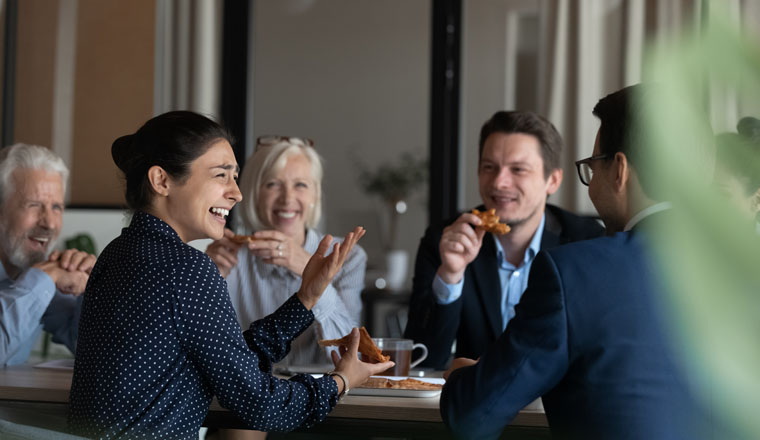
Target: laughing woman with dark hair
[158, 336]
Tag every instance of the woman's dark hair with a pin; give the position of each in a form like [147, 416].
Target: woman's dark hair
[172, 141]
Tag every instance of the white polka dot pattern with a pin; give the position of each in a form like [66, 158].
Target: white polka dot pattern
[158, 338]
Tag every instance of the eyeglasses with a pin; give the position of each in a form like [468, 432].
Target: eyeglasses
[584, 167]
[269, 140]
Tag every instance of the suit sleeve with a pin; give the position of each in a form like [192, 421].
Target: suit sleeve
[61, 319]
[528, 360]
[429, 322]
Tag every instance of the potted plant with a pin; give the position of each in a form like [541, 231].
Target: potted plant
[393, 183]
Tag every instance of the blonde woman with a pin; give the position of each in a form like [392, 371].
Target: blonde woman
[282, 193]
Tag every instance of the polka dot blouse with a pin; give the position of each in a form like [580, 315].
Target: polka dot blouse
[158, 337]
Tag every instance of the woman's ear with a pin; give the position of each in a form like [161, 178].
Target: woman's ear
[159, 180]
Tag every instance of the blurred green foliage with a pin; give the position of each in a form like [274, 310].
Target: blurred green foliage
[82, 242]
[393, 182]
[710, 251]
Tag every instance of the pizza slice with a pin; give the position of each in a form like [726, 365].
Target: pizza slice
[367, 347]
[491, 222]
[242, 239]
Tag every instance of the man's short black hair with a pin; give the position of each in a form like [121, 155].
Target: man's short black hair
[526, 123]
[621, 131]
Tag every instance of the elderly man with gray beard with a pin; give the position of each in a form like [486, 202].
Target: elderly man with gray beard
[38, 288]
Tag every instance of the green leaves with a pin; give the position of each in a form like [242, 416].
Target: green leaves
[396, 181]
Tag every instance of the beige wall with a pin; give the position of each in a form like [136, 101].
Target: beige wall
[112, 85]
[35, 58]
[354, 76]
[113, 91]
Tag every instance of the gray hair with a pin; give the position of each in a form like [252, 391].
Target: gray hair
[264, 162]
[20, 156]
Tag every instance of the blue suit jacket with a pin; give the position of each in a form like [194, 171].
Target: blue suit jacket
[474, 320]
[588, 336]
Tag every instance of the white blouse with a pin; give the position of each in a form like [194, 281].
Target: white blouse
[258, 289]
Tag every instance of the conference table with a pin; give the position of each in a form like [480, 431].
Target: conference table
[46, 391]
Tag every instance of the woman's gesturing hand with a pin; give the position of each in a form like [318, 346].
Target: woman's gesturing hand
[321, 269]
[348, 363]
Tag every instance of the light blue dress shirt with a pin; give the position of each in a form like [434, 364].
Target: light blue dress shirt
[27, 305]
[514, 279]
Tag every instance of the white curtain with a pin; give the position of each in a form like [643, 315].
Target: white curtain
[726, 104]
[588, 49]
[188, 56]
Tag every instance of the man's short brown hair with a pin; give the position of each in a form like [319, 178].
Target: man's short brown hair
[526, 123]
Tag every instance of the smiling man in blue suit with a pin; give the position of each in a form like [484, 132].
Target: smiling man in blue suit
[589, 335]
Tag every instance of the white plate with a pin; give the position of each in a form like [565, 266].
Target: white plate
[58, 364]
[392, 392]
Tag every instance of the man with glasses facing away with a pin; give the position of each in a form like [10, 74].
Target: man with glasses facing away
[466, 282]
[589, 336]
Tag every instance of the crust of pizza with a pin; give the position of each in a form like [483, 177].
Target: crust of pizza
[242, 239]
[491, 222]
[404, 384]
[368, 349]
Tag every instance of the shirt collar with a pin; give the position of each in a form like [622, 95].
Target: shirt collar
[646, 212]
[142, 221]
[533, 247]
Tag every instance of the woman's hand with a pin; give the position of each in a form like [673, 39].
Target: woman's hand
[321, 269]
[274, 247]
[223, 253]
[348, 363]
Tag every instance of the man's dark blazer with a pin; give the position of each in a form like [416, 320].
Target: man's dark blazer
[474, 319]
[589, 335]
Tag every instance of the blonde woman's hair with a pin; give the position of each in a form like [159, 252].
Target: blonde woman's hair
[266, 161]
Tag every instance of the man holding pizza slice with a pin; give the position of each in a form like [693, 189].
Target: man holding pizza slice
[467, 281]
[594, 333]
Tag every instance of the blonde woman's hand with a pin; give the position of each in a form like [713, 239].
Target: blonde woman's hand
[223, 253]
[348, 363]
[274, 247]
[321, 268]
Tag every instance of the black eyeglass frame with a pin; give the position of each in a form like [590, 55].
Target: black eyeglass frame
[587, 161]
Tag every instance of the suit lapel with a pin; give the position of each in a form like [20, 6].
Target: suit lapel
[485, 269]
[552, 230]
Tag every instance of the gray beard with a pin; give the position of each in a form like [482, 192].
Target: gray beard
[13, 250]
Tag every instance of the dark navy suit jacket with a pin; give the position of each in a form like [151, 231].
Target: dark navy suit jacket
[474, 319]
[589, 337]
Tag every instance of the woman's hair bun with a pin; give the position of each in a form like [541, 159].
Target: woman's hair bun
[123, 153]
